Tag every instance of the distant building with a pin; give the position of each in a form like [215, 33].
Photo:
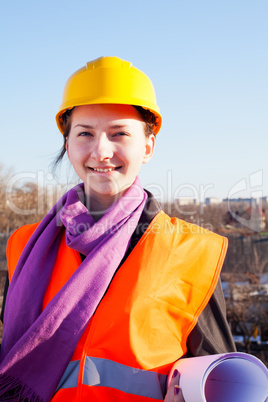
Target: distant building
[264, 200]
[239, 200]
[250, 201]
[187, 201]
[213, 201]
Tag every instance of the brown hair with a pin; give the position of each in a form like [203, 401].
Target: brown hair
[67, 126]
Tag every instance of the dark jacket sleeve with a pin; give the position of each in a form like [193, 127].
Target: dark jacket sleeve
[4, 299]
[212, 334]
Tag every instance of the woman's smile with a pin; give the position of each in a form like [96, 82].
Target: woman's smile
[104, 169]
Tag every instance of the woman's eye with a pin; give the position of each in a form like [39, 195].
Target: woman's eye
[120, 134]
[84, 134]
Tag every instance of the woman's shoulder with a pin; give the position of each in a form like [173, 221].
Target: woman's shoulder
[23, 233]
[17, 242]
[154, 213]
[183, 227]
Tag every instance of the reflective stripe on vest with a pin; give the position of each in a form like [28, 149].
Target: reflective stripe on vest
[107, 373]
[70, 376]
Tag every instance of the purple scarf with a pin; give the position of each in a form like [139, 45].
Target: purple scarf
[38, 345]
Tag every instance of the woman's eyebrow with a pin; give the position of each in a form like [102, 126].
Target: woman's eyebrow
[116, 126]
[84, 126]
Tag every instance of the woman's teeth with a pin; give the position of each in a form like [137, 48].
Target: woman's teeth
[103, 170]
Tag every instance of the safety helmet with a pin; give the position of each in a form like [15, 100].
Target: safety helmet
[109, 80]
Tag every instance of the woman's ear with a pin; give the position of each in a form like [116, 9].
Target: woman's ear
[67, 146]
[149, 148]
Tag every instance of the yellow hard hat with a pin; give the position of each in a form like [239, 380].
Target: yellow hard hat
[109, 80]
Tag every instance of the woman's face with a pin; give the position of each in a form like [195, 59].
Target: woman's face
[107, 146]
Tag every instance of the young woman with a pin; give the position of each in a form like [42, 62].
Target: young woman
[107, 291]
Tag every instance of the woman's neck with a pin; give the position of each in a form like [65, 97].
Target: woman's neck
[98, 206]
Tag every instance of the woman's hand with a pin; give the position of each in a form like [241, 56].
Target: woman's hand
[174, 393]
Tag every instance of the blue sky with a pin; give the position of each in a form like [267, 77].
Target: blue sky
[207, 59]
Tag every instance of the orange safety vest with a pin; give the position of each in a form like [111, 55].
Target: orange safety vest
[140, 327]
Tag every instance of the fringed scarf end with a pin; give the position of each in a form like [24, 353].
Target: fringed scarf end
[12, 389]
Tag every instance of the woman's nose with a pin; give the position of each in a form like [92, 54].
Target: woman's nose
[102, 148]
